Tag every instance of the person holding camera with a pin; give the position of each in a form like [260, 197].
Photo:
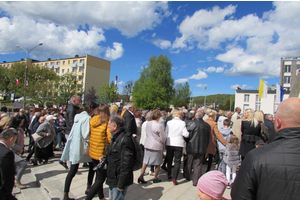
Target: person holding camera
[120, 159]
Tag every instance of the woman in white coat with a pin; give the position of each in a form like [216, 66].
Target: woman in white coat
[76, 150]
[175, 131]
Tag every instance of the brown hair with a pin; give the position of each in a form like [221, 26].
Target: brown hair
[103, 112]
[138, 114]
[226, 122]
[156, 114]
[90, 106]
[234, 141]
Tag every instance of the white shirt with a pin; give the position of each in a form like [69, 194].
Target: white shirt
[143, 133]
[175, 129]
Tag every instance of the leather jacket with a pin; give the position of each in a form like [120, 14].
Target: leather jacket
[199, 136]
[71, 112]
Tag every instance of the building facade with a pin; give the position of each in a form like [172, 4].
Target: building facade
[249, 99]
[89, 70]
[290, 67]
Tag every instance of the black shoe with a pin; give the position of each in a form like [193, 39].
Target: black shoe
[156, 180]
[85, 165]
[141, 180]
[64, 164]
[164, 167]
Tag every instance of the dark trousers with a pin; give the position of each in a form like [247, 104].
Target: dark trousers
[197, 160]
[44, 153]
[31, 141]
[210, 160]
[73, 170]
[98, 185]
[175, 152]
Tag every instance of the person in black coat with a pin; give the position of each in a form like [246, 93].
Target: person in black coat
[272, 171]
[71, 112]
[130, 124]
[120, 159]
[7, 167]
[196, 145]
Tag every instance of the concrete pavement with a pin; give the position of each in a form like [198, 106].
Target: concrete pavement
[47, 182]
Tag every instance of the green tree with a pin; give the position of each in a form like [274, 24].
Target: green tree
[182, 95]
[67, 86]
[91, 95]
[153, 80]
[4, 80]
[108, 93]
[40, 81]
[151, 96]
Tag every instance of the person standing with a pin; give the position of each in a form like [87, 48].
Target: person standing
[175, 132]
[235, 115]
[71, 112]
[154, 146]
[272, 171]
[7, 166]
[211, 149]
[196, 145]
[100, 138]
[128, 116]
[76, 150]
[120, 159]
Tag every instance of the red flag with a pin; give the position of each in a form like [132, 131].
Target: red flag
[17, 81]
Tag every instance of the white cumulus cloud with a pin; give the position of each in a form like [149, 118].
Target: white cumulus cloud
[200, 75]
[244, 86]
[114, 53]
[181, 80]
[163, 44]
[120, 82]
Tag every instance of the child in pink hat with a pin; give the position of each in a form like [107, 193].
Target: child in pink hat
[212, 185]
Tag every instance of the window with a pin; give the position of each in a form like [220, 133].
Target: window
[81, 69]
[287, 79]
[257, 102]
[52, 63]
[246, 97]
[68, 62]
[81, 61]
[46, 64]
[57, 71]
[64, 62]
[63, 71]
[298, 67]
[74, 69]
[246, 106]
[68, 70]
[58, 63]
[74, 61]
[287, 68]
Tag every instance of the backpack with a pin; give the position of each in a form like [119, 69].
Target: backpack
[138, 152]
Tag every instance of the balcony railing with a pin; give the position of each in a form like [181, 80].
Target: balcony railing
[80, 64]
[74, 65]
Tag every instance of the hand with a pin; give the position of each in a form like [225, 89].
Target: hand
[100, 159]
[48, 134]
[120, 189]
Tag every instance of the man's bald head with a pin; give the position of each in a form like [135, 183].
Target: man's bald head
[287, 114]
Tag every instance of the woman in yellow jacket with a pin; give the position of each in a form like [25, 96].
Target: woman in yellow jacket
[100, 138]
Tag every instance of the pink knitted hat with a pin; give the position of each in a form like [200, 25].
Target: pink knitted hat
[213, 184]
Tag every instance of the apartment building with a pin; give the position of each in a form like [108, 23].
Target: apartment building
[290, 67]
[89, 70]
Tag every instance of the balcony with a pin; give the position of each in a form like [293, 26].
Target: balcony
[74, 65]
[74, 73]
[50, 66]
[56, 66]
[80, 64]
[79, 74]
[79, 82]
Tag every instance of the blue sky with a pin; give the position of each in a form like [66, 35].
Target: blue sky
[220, 45]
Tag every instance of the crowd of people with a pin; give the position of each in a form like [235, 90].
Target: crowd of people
[253, 152]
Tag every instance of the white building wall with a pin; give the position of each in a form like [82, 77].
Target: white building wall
[267, 105]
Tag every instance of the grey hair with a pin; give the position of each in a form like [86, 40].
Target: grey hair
[117, 120]
[203, 107]
[8, 133]
[163, 113]
[199, 115]
[129, 105]
[37, 114]
[208, 111]
[267, 116]
[149, 116]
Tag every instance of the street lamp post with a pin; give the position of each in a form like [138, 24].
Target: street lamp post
[26, 68]
[205, 97]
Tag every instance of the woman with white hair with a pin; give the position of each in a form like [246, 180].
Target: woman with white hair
[251, 131]
[175, 131]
